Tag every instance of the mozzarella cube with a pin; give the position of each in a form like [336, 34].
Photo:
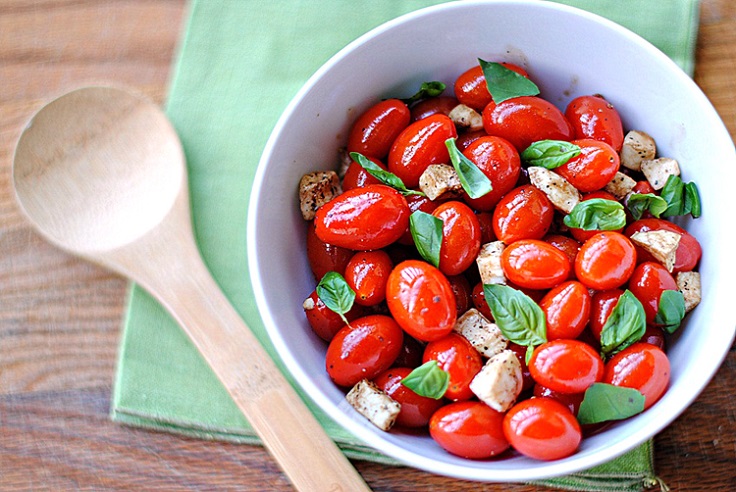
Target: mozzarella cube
[499, 382]
[638, 146]
[660, 244]
[374, 404]
[466, 117]
[316, 189]
[485, 336]
[563, 195]
[489, 263]
[658, 170]
[689, 284]
[620, 186]
[439, 179]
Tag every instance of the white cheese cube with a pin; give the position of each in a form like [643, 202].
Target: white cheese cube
[499, 382]
[466, 117]
[660, 244]
[620, 186]
[638, 146]
[316, 189]
[485, 336]
[563, 195]
[689, 284]
[438, 180]
[658, 170]
[489, 263]
[374, 404]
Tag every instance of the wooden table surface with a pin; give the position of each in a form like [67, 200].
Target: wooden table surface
[60, 317]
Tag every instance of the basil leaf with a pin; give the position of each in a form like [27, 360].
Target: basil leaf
[639, 203]
[625, 325]
[597, 214]
[550, 154]
[603, 402]
[671, 310]
[428, 380]
[503, 83]
[426, 230]
[474, 181]
[385, 177]
[692, 200]
[427, 89]
[337, 295]
[673, 193]
[518, 317]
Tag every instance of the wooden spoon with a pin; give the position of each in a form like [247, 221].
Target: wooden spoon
[101, 174]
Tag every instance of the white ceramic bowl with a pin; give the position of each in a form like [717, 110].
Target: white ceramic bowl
[568, 53]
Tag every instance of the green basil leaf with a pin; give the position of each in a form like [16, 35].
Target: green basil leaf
[385, 177]
[597, 214]
[603, 402]
[671, 310]
[503, 83]
[474, 181]
[639, 203]
[673, 193]
[427, 89]
[550, 154]
[428, 380]
[335, 292]
[518, 317]
[426, 230]
[692, 200]
[625, 325]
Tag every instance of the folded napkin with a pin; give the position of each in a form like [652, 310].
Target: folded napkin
[238, 66]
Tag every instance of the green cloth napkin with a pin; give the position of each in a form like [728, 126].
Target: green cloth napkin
[239, 64]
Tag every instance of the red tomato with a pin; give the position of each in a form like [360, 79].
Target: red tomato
[527, 381]
[593, 168]
[643, 187]
[485, 219]
[411, 353]
[470, 429]
[479, 301]
[367, 273]
[324, 321]
[363, 349]
[433, 105]
[647, 283]
[654, 336]
[466, 138]
[363, 218]
[688, 251]
[526, 119]
[594, 117]
[534, 264]
[471, 88]
[455, 355]
[567, 366]
[567, 309]
[415, 410]
[325, 257]
[417, 147]
[375, 130]
[601, 307]
[641, 366]
[417, 202]
[581, 234]
[501, 164]
[357, 177]
[542, 428]
[567, 245]
[460, 237]
[605, 261]
[570, 400]
[523, 213]
[463, 292]
[421, 300]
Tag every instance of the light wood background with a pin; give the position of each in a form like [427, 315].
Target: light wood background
[60, 318]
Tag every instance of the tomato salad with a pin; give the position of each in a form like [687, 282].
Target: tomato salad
[498, 271]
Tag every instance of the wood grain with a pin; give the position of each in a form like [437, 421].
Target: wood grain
[60, 317]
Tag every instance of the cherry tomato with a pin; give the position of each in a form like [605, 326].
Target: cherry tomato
[411, 353]
[594, 117]
[324, 321]
[485, 219]
[527, 382]
[456, 356]
[526, 119]
[641, 366]
[654, 336]
[523, 213]
[534, 264]
[501, 164]
[415, 410]
[567, 245]
[375, 130]
[367, 273]
[433, 105]
[460, 237]
[421, 300]
[567, 310]
[605, 261]
[593, 168]
[363, 349]
[581, 234]
[542, 428]
[471, 88]
[417, 147]
[571, 400]
[643, 187]
[467, 137]
[470, 429]
[417, 202]
[463, 292]
[363, 218]
[601, 307]
[479, 301]
[324, 257]
[357, 177]
[688, 251]
[647, 283]
[567, 366]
